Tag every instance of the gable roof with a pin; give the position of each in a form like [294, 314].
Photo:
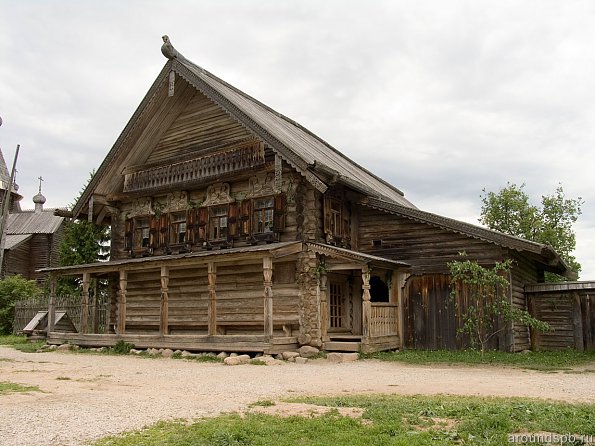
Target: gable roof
[31, 222]
[315, 159]
[545, 253]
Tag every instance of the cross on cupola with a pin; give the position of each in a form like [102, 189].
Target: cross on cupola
[39, 199]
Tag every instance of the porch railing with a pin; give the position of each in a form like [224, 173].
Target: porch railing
[384, 319]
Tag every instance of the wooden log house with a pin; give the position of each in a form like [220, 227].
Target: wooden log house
[236, 229]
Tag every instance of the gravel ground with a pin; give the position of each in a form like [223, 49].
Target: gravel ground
[86, 396]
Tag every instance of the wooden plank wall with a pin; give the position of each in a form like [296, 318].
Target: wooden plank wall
[201, 126]
[523, 272]
[432, 317]
[18, 261]
[571, 314]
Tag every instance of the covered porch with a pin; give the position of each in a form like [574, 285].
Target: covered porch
[360, 300]
[248, 299]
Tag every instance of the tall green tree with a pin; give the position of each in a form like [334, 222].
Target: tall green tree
[510, 211]
[84, 242]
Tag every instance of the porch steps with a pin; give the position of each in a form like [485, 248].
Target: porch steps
[342, 346]
[343, 343]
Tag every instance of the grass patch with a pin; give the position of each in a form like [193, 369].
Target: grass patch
[546, 361]
[21, 343]
[262, 403]
[11, 340]
[9, 387]
[387, 420]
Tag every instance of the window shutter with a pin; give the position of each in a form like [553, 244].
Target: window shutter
[245, 217]
[128, 230]
[154, 232]
[203, 217]
[163, 229]
[191, 226]
[279, 212]
[232, 220]
[327, 215]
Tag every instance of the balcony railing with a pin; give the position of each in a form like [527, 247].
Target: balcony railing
[197, 169]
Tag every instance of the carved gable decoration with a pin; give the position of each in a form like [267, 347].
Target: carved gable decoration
[142, 206]
[177, 201]
[218, 193]
[261, 185]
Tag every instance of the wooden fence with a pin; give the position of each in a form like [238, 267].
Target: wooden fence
[25, 310]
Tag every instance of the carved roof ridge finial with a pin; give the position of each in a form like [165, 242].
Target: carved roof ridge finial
[168, 50]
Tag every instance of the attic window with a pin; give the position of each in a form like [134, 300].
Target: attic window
[376, 243]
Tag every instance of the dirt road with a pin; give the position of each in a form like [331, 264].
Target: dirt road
[89, 396]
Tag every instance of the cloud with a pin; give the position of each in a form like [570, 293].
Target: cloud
[440, 100]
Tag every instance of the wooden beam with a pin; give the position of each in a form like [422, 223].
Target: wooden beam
[122, 301]
[95, 308]
[212, 304]
[267, 269]
[324, 307]
[52, 304]
[90, 213]
[85, 304]
[164, 311]
[366, 304]
[342, 266]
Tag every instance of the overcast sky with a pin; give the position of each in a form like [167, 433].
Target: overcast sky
[441, 99]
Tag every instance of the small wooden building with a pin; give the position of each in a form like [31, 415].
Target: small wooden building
[235, 228]
[32, 236]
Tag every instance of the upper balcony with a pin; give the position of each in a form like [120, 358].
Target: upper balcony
[195, 170]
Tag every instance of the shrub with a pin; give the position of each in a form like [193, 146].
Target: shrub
[12, 289]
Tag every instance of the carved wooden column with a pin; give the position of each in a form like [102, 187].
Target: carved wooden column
[95, 308]
[267, 269]
[52, 305]
[212, 304]
[122, 301]
[324, 307]
[85, 305]
[366, 304]
[164, 312]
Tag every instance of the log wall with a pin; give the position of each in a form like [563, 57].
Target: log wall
[426, 248]
[239, 300]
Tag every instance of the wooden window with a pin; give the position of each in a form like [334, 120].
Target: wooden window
[177, 228]
[218, 223]
[335, 218]
[141, 234]
[335, 305]
[263, 214]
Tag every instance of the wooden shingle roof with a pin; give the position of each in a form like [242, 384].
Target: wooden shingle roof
[314, 158]
[297, 145]
[31, 222]
[545, 253]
